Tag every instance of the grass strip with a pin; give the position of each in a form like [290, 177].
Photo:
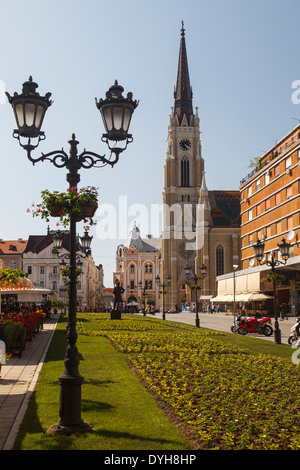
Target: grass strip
[123, 414]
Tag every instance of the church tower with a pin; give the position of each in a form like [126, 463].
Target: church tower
[183, 178]
[199, 226]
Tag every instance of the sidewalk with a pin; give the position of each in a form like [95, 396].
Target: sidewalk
[17, 382]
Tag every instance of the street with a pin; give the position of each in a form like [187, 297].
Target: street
[223, 322]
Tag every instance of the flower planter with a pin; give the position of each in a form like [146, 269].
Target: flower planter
[88, 211]
[55, 210]
[81, 203]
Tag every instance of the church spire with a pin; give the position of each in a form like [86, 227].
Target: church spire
[183, 93]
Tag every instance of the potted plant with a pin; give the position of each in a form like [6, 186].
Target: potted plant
[81, 202]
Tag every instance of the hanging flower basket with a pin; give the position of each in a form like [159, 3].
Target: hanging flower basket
[83, 203]
[88, 211]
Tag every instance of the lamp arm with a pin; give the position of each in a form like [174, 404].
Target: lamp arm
[89, 159]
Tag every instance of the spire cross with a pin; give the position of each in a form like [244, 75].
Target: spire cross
[182, 29]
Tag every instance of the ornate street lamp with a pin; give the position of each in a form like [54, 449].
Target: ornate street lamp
[284, 247]
[191, 275]
[144, 289]
[163, 285]
[86, 241]
[29, 109]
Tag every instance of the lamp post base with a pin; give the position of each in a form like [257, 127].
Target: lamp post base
[277, 336]
[68, 430]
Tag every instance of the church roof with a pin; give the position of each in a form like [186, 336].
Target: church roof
[142, 245]
[183, 93]
[225, 208]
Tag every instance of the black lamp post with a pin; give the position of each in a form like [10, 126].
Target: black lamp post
[131, 295]
[163, 285]
[191, 275]
[144, 289]
[29, 109]
[284, 247]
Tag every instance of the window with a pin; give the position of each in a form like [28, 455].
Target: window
[29, 269]
[54, 269]
[289, 191]
[42, 269]
[258, 209]
[269, 231]
[257, 184]
[249, 191]
[276, 171]
[267, 178]
[185, 172]
[132, 287]
[278, 227]
[288, 162]
[290, 222]
[250, 215]
[219, 260]
[268, 203]
[277, 198]
[54, 286]
[148, 268]
[132, 268]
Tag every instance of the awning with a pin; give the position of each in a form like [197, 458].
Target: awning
[247, 297]
[252, 296]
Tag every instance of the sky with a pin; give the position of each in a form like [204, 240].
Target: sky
[243, 61]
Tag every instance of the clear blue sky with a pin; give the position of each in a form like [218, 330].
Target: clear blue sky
[243, 57]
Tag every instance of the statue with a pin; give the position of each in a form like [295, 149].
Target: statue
[118, 291]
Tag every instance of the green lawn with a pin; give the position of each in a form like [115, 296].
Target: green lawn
[226, 391]
[123, 415]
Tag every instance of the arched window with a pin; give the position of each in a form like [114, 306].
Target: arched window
[219, 260]
[185, 172]
[132, 268]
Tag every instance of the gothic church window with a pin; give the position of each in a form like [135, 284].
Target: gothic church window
[185, 173]
[220, 260]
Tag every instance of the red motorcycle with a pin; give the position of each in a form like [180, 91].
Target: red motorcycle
[258, 324]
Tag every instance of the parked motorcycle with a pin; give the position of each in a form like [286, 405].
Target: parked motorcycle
[295, 332]
[258, 324]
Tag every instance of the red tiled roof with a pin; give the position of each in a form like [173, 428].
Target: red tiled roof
[8, 247]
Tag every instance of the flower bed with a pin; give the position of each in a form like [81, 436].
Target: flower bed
[32, 321]
[231, 398]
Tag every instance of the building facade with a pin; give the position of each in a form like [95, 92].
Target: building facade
[44, 267]
[199, 226]
[270, 211]
[137, 265]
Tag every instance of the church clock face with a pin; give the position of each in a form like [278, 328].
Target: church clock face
[185, 144]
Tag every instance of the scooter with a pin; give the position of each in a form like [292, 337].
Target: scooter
[295, 332]
[258, 324]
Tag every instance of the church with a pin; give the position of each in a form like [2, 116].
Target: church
[201, 227]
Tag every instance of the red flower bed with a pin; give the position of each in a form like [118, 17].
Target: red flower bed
[33, 321]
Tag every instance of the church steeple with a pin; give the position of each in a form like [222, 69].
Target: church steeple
[183, 92]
